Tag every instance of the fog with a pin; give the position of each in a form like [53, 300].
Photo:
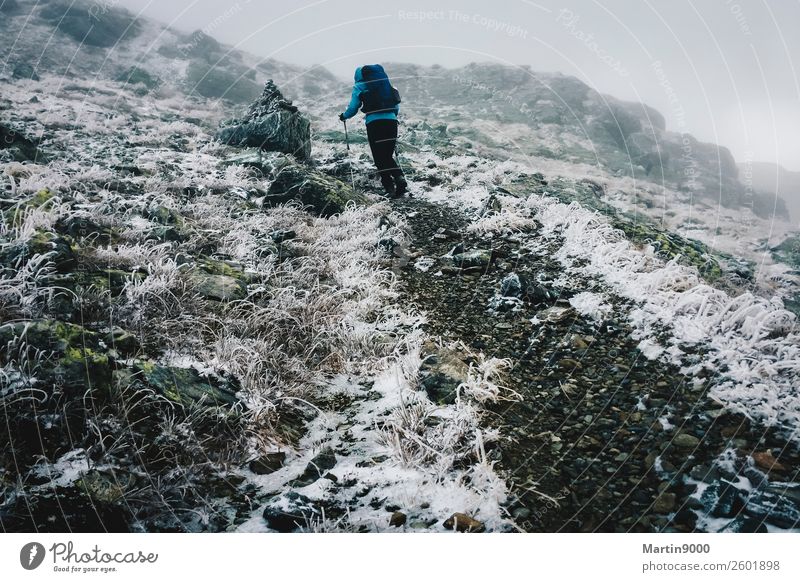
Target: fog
[723, 70]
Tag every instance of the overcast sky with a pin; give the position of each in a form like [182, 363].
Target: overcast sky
[727, 71]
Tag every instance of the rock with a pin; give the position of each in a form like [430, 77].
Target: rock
[490, 206]
[326, 195]
[664, 503]
[24, 71]
[685, 441]
[774, 507]
[185, 385]
[317, 468]
[280, 236]
[441, 373]
[398, 519]
[272, 123]
[477, 258]
[578, 342]
[220, 82]
[95, 25]
[164, 216]
[289, 512]
[19, 147]
[57, 248]
[568, 364]
[723, 498]
[511, 286]
[554, 314]
[464, 523]
[267, 463]
[81, 227]
[764, 460]
[122, 341]
[218, 287]
[704, 473]
[685, 520]
[76, 363]
[138, 76]
[9, 7]
[745, 525]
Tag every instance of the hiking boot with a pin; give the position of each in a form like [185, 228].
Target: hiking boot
[401, 186]
[388, 186]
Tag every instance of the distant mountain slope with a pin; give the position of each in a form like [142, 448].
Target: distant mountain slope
[572, 122]
[773, 179]
[82, 40]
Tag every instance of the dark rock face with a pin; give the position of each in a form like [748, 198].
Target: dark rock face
[216, 82]
[98, 25]
[272, 124]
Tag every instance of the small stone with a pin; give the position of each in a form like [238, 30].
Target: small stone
[463, 523]
[218, 287]
[317, 467]
[268, 463]
[398, 519]
[767, 462]
[686, 441]
[578, 342]
[122, 341]
[280, 236]
[664, 503]
[569, 364]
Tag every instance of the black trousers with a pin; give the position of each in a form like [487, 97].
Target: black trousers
[382, 135]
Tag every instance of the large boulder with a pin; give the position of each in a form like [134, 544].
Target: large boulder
[272, 123]
[181, 385]
[325, 194]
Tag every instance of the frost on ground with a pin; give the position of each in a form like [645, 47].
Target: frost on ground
[177, 255]
[749, 342]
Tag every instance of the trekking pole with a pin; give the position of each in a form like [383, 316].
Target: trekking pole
[349, 159]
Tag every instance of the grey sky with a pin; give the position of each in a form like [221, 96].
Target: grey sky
[729, 69]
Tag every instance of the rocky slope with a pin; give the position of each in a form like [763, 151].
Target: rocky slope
[212, 322]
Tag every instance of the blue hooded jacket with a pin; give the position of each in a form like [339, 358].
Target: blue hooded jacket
[355, 102]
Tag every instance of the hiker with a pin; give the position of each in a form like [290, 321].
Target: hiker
[380, 102]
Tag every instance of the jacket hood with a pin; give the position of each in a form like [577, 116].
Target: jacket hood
[359, 77]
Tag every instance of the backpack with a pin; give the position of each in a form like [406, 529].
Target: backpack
[380, 96]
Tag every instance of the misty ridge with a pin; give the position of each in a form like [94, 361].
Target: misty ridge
[214, 318]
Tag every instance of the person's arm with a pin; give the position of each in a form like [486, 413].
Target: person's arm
[355, 103]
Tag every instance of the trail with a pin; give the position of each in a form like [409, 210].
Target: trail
[591, 445]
